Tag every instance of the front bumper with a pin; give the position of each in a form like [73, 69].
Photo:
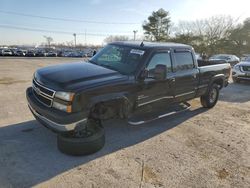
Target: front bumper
[53, 119]
[240, 75]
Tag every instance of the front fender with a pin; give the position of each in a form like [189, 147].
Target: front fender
[109, 97]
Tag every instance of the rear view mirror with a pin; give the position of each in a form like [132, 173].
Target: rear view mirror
[160, 72]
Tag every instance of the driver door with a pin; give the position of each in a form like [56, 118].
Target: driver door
[154, 90]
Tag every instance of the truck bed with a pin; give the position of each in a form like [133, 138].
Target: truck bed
[212, 69]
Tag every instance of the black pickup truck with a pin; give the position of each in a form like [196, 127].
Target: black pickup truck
[73, 99]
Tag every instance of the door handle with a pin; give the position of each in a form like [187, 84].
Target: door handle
[172, 79]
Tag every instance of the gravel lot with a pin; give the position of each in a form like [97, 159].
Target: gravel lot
[197, 148]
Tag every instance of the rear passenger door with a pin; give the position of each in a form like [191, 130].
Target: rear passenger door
[186, 74]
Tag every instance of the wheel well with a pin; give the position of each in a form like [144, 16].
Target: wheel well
[219, 82]
[106, 109]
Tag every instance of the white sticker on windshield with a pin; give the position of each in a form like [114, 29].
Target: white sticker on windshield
[135, 51]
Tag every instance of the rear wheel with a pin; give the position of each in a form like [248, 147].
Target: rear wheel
[83, 142]
[210, 99]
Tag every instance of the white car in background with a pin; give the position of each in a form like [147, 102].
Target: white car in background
[231, 59]
[7, 52]
[241, 71]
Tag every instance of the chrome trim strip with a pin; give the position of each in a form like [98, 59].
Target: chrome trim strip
[241, 68]
[142, 97]
[57, 126]
[167, 97]
[243, 78]
[160, 116]
[201, 86]
[46, 88]
[43, 94]
[188, 93]
[42, 101]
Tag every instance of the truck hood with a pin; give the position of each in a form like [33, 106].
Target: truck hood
[76, 76]
[246, 63]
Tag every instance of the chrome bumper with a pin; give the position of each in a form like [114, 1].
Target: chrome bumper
[53, 125]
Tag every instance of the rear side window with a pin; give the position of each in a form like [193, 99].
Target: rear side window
[184, 61]
[161, 58]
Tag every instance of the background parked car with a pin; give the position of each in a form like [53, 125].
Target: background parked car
[30, 53]
[7, 52]
[40, 53]
[232, 59]
[52, 54]
[19, 53]
[241, 71]
[244, 56]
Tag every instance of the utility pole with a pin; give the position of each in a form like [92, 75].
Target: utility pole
[85, 33]
[74, 38]
[135, 31]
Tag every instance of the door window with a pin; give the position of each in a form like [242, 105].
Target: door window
[184, 61]
[162, 58]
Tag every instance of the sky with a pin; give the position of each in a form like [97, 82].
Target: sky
[94, 20]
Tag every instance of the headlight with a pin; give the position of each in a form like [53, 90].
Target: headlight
[236, 67]
[66, 96]
[63, 107]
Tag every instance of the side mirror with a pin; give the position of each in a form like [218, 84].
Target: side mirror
[160, 72]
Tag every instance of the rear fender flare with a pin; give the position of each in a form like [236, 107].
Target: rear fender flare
[219, 79]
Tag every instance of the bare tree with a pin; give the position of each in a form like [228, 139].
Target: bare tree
[211, 31]
[215, 27]
[48, 40]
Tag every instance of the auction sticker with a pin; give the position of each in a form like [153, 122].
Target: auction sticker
[135, 51]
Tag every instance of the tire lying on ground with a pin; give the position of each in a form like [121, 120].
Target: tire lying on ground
[88, 142]
[210, 99]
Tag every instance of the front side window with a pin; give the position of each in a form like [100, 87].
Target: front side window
[184, 61]
[119, 58]
[162, 58]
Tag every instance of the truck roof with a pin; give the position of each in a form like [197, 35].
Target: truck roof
[147, 45]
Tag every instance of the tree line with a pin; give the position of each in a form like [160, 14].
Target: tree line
[217, 34]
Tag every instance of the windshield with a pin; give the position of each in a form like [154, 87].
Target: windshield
[119, 58]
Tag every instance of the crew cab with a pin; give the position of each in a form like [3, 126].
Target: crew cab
[73, 99]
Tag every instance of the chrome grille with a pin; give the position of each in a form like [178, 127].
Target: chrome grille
[42, 93]
[246, 68]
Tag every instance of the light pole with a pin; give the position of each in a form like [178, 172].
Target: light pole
[75, 38]
[135, 31]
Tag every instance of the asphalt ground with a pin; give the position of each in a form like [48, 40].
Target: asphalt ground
[196, 148]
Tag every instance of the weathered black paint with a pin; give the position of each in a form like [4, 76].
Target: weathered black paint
[94, 84]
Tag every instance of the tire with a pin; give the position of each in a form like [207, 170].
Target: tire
[86, 144]
[210, 99]
[236, 80]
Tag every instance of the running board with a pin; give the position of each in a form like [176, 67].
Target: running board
[148, 117]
